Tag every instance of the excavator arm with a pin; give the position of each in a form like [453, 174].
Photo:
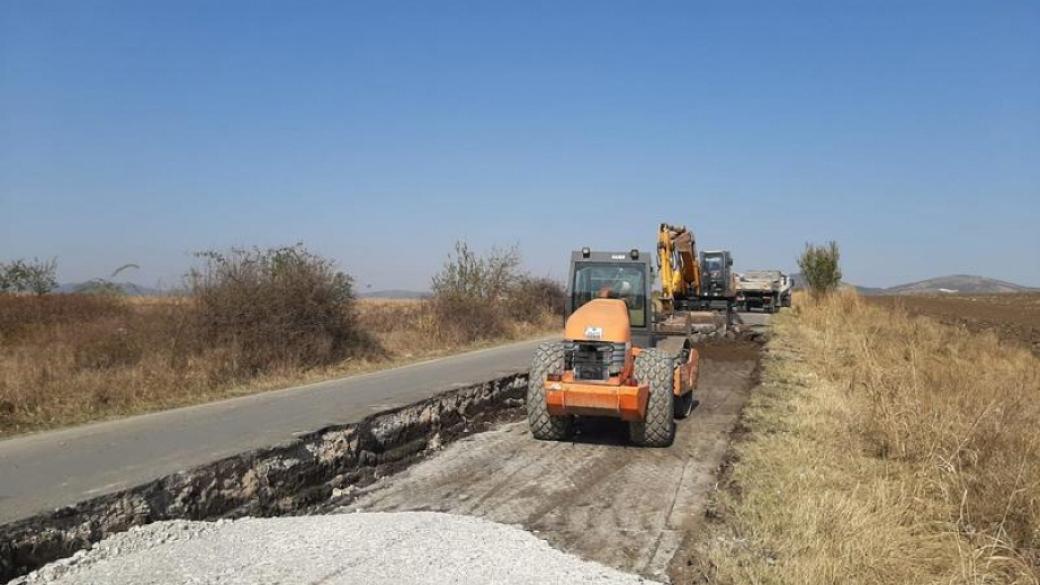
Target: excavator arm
[677, 260]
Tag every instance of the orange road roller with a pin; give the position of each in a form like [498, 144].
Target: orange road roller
[612, 361]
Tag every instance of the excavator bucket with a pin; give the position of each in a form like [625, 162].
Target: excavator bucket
[693, 323]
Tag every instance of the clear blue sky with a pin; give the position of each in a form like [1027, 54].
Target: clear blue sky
[379, 133]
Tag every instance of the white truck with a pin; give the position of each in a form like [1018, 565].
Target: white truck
[767, 289]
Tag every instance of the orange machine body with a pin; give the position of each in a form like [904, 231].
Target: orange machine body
[620, 396]
[599, 320]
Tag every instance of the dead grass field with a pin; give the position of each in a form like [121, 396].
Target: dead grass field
[67, 359]
[881, 448]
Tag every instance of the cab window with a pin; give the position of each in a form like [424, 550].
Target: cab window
[611, 281]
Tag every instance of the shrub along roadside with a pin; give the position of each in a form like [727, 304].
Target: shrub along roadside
[484, 297]
[820, 268]
[882, 449]
[275, 308]
[254, 319]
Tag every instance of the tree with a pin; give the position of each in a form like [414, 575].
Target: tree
[36, 276]
[478, 279]
[820, 269]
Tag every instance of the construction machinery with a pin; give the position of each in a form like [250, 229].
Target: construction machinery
[688, 284]
[766, 289]
[719, 285]
[614, 360]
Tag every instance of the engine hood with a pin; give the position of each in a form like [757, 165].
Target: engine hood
[600, 320]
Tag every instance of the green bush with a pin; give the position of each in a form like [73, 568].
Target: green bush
[820, 269]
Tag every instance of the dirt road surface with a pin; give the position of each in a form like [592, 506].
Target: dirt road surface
[596, 496]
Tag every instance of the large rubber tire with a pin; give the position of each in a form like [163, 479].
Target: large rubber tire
[548, 359]
[684, 405]
[658, 428]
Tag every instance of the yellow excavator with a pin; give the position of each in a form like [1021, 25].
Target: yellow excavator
[693, 288]
[677, 262]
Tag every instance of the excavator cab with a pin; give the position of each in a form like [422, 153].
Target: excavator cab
[719, 286]
[611, 361]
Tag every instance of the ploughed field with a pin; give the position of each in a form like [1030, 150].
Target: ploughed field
[1013, 317]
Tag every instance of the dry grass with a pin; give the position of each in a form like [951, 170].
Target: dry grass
[67, 359]
[410, 327]
[883, 448]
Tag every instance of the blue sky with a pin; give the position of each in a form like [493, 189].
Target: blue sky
[380, 133]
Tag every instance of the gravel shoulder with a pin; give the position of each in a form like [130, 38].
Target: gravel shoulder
[399, 549]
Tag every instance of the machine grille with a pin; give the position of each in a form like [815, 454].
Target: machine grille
[592, 360]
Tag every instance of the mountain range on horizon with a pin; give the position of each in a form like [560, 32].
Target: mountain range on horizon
[951, 284]
[954, 283]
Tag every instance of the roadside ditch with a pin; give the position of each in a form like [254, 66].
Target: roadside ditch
[313, 472]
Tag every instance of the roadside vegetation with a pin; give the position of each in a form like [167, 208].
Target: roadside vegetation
[249, 320]
[820, 268]
[28, 276]
[881, 448]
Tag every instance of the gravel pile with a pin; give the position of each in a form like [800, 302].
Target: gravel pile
[363, 548]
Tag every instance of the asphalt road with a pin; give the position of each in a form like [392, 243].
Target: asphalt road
[53, 469]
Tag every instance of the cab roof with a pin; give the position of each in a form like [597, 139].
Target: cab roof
[643, 257]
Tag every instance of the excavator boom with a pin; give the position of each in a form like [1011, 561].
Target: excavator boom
[677, 260]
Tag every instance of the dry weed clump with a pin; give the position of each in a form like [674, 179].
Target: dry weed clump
[73, 358]
[252, 320]
[884, 449]
[274, 309]
[477, 298]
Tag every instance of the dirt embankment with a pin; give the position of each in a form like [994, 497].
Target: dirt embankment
[1015, 318]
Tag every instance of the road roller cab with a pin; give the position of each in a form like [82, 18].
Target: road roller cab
[611, 361]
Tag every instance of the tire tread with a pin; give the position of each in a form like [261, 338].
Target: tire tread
[548, 359]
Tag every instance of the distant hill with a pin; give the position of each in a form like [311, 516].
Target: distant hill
[129, 288]
[955, 283]
[962, 283]
[799, 284]
[393, 294]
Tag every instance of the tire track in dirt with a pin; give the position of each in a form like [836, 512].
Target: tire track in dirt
[596, 496]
